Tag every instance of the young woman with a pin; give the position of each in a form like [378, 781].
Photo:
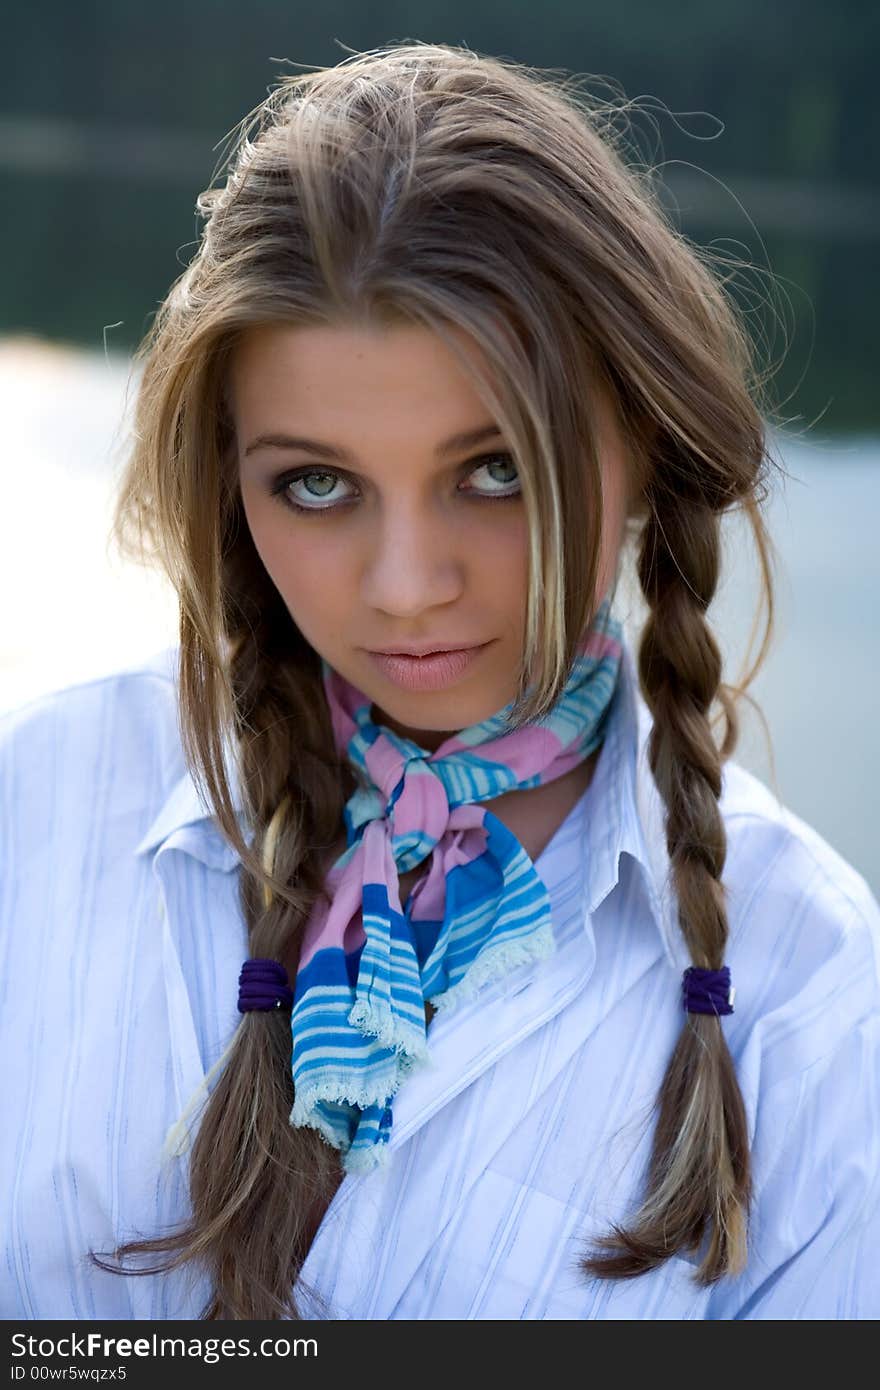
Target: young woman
[473, 985]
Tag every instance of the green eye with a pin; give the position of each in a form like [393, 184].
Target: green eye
[502, 462]
[323, 478]
[326, 482]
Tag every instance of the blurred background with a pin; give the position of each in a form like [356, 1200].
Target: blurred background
[762, 122]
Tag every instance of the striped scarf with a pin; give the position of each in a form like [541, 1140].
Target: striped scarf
[368, 965]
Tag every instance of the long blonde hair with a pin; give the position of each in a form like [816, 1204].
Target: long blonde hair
[427, 184]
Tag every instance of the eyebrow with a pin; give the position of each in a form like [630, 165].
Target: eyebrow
[466, 439]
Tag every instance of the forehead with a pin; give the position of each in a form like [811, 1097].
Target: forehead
[341, 375]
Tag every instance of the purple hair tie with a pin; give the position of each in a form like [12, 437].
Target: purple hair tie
[707, 991]
[263, 985]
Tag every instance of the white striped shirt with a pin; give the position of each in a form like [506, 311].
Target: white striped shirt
[121, 940]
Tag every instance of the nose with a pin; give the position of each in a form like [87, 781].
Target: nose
[413, 560]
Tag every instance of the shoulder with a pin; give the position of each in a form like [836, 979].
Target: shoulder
[130, 692]
[114, 737]
[803, 922]
[772, 850]
[804, 930]
[803, 949]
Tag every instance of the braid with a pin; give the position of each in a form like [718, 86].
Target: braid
[275, 1174]
[699, 1179]
[258, 1185]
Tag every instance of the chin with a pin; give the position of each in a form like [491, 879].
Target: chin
[440, 711]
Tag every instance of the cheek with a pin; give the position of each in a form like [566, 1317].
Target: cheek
[499, 571]
[308, 566]
[316, 581]
[503, 545]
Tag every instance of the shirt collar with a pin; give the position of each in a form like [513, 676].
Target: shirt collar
[632, 820]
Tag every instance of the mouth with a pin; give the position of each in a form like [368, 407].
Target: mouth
[421, 652]
[432, 671]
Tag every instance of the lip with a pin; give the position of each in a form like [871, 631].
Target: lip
[434, 672]
[424, 648]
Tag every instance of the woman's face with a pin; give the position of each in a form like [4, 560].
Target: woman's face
[407, 537]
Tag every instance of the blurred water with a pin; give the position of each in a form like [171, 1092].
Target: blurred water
[72, 610]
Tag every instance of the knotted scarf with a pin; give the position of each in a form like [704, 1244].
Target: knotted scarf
[367, 964]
